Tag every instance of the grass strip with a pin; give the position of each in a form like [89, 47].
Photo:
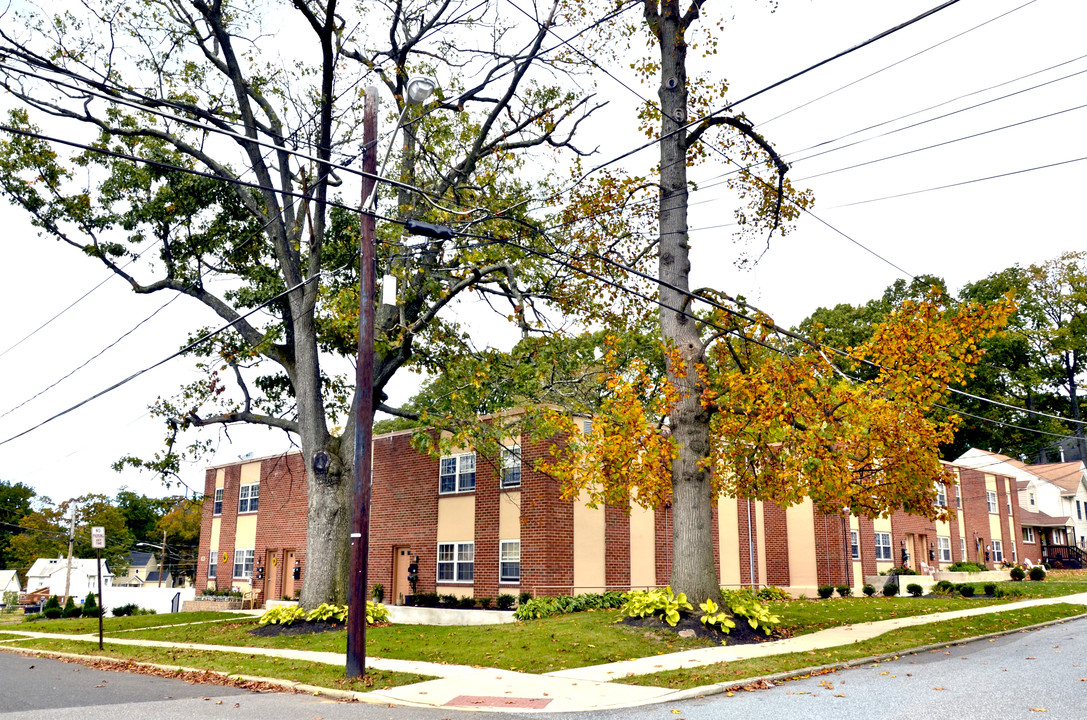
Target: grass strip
[311, 673]
[553, 643]
[896, 641]
[87, 626]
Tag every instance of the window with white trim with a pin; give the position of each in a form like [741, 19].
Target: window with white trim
[218, 508]
[213, 564]
[855, 544]
[998, 551]
[883, 546]
[248, 498]
[509, 561]
[1079, 511]
[941, 495]
[457, 473]
[943, 545]
[990, 497]
[958, 496]
[243, 564]
[1028, 535]
[962, 549]
[511, 467]
[1032, 499]
[1009, 506]
[456, 562]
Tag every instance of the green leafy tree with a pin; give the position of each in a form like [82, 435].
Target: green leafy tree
[181, 528]
[15, 504]
[260, 229]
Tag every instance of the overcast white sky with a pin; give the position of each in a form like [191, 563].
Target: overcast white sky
[961, 233]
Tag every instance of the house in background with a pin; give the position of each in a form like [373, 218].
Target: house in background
[9, 582]
[1053, 500]
[52, 574]
[480, 527]
[143, 569]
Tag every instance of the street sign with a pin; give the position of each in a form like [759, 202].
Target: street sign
[98, 537]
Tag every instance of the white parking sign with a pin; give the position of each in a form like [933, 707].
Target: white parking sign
[98, 537]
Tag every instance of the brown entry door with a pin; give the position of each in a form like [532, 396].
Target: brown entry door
[400, 588]
[288, 573]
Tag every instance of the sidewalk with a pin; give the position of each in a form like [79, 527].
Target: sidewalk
[577, 689]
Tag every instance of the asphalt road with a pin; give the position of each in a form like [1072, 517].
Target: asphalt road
[1036, 674]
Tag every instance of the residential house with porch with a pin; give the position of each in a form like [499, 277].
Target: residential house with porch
[52, 574]
[1053, 502]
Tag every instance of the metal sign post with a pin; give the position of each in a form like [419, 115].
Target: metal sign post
[98, 541]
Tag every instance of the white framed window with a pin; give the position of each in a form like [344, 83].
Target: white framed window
[998, 551]
[883, 546]
[958, 496]
[213, 564]
[855, 544]
[457, 473]
[943, 545]
[962, 549]
[1032, 499]
[243, 564]
[218, 508]
[990, 497]
[1009, 506]
[511, 467]
[941, 495]
[1028, 535]
[456, 562]
[1079, 511]
[249, 498]
[509, 561]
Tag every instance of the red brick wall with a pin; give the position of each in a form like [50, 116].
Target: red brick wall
[617, 547]
[777, 543]
[283, 497]
[547, 527]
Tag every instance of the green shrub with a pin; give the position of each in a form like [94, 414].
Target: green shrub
[90, 606]
[944, 587]
[772, 594]
[71, 610]
[466, 603]
[967, 566]
[890, 590]
[52, 609]
[485, 603]
[868, 590]
[534, 608]
[504, 601]
[746, 604]
[825, 591]
[1005, 591]
[661, 603]
[1037, 573]
[967, 590]
[915, 589]
[282, 615]
[524, 597]
[425, 599]
[144, 611]
[1018, 573]
[124, 610]
[844, 590]
[990, 588]
[449, 600]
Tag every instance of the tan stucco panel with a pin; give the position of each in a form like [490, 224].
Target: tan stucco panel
[246, 534]
[457, 518]
[588, 548]
[643, 547]
[250, 473]
[800, 525]
[728, 532]
[509, 516]
[220, 478]
[214, 543]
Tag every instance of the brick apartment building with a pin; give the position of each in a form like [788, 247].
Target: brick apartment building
[482, 528]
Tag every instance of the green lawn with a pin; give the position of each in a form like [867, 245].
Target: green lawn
[901, 640]
[80, 626]
[311, 673]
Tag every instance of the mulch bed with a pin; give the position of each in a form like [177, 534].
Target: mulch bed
[299, 627]
[742, 634]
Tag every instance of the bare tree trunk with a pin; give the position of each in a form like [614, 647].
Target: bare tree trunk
[693, 567]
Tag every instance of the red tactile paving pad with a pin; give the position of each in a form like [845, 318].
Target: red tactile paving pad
[487, 701]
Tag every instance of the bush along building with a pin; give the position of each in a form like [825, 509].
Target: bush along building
[471, 526]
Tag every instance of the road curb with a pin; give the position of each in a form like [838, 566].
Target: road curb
[719, 688]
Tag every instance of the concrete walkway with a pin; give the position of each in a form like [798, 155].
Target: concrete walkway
[577, 689]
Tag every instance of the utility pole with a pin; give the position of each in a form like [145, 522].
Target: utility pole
[71, 542]
[162, 562]
[364, 407]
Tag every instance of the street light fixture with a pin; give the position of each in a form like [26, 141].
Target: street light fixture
[417, 91]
